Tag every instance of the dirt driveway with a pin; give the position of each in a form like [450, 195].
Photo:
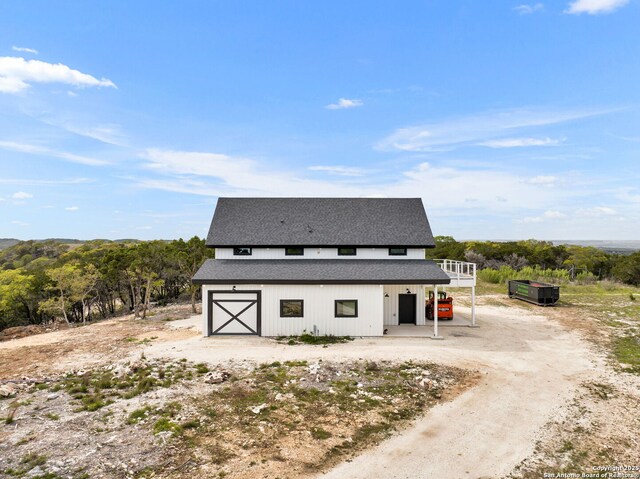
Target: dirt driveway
[531, 366]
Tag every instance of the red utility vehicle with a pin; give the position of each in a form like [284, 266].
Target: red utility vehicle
[445, 306]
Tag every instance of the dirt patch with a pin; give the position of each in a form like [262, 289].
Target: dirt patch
[597, 429]
[168, 418]
[87, 346]
[18, 332]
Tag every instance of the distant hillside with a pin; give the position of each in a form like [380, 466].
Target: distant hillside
[609, 246]
[7, 243]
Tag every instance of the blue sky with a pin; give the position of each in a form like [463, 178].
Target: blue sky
[511, 120]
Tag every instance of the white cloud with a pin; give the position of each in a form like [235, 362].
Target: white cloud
[446, 188]
[629, 195]
[544, 180]
[526, 9]
[30, 182]
[596, 211]
[40, 150]
[72, 208]
[17, 74]
[547, 215]
[520, 142]
[554, 214]
[338, 170]
[595, 7]
[21, 195]
[343, 103]
[19, 223]
[24, 49]
[475, 129]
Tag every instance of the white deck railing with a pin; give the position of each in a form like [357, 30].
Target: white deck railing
[457, 269]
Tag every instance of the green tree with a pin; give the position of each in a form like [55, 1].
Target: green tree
[446, 248]
[190, 255]
[627, 269]
[14, 290]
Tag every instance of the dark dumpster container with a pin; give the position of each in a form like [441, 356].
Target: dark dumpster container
[542, 294]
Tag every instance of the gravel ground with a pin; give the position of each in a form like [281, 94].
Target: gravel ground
[532, 369]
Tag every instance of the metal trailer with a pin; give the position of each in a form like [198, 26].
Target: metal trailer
[542, 294]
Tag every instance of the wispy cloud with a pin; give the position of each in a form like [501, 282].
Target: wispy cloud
[344, 103]
[34, 182]
[339, 170]
[17, 74]
[21, 195]
[544, 180]
[72, 208]
[213, 174]
[24, 50]
[477, 129]
[596, 211]
[40, 150]
[19, 223]
[520, 142]
[595, 7]
[547, 215]
[526, 9]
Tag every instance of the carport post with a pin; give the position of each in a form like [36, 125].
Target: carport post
[435, 313]
[473, 307]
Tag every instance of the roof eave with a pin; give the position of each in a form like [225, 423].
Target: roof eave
[320, 281]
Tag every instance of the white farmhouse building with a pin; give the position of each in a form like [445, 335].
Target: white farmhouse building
[328, 266]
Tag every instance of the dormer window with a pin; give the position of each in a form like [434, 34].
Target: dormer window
[347, 251]
[294, 251]
[242, 251]
[397, 251]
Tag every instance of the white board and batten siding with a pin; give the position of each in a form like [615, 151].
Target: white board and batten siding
[320, 253]
[319, 308]
[391, 309]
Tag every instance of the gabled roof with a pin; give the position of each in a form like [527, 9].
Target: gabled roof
[320, 271]
[320, 222]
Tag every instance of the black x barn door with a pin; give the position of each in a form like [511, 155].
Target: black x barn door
[234, 312]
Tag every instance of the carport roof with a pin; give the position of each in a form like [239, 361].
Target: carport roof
[330, 271]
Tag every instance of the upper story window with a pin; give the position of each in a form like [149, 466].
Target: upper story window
[347, 251]
[294, 251]
[242, 251]
[397, 251]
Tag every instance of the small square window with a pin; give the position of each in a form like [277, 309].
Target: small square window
[291, 308]
[346, 308]
[242, 251]
[294, 251]
[347, 251]
[397, 251]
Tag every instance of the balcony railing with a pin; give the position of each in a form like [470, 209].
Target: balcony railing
[457, 269]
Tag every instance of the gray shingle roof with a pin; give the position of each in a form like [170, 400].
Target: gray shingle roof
[320, 222]
[281, 271]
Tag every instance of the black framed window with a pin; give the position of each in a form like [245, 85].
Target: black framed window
[291, 308]
[397, 251]
[294, 251]
[347, 251]
[346, 308]
[242, 251]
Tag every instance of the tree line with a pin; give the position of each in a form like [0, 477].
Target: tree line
[45, 280]
[559, 261]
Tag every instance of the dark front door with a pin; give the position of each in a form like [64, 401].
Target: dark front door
[407, 309]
